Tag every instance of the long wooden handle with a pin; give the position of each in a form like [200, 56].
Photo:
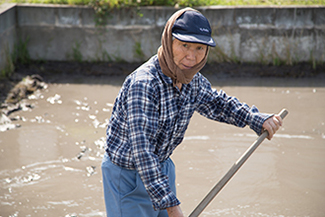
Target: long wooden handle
[217, 188]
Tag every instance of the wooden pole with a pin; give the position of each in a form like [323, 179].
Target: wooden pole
[217, 188]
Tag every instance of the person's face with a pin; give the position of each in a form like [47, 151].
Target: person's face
[186, 55]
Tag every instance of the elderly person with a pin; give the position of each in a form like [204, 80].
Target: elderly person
[152, 112]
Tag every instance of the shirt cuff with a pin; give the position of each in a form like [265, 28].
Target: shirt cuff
[168, 200]
[257, 121]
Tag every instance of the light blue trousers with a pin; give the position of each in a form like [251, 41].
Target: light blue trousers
[125, 194]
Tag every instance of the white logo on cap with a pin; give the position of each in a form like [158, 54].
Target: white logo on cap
[204, 30]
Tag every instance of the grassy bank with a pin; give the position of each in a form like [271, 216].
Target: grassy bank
[128, 3]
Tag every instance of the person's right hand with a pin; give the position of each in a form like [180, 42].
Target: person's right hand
[272, 124]
[175, 211]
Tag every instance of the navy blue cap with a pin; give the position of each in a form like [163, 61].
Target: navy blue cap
[193, 27]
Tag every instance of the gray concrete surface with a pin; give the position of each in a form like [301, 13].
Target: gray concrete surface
[8, 33]
[248, 34]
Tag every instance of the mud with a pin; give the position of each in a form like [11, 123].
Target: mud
[50, 165]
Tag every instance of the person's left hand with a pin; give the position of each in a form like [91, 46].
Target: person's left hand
[175, 211]
[272, 125]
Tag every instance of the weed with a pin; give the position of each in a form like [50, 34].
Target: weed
[9, 65]
[102, 10]
[106, 56]
[276, 60]
[138, 53]
[20, 53]
[233, 55]
[220, 55]
[119, 59]
[288, 59]
[76, 54]
[261, 54]
[312, 60]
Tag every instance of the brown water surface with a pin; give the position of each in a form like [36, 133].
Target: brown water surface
[50, 166]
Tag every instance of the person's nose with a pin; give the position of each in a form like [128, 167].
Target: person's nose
[191, 55]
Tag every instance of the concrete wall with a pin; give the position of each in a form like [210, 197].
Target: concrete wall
[8, 33]
[269, 34]
[249, 34]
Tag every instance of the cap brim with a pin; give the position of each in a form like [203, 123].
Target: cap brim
[202, 39]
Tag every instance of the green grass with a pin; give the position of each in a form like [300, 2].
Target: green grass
[128, 3]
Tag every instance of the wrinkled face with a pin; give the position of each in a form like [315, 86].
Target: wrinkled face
[186, 55]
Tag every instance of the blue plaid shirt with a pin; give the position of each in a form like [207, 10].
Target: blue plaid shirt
[150, 117]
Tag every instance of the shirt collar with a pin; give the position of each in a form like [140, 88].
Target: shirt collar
[167, 79]
[164, 77]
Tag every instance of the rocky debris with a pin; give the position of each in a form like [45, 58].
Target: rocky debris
[91, 170]
[71, 215]
[7, 109]
[55, 99]
[6, 123]
[100, 143]
[16, 97]
[83, 151]
[30, 177]
[27, 86]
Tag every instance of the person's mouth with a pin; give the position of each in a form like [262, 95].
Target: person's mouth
[186, 66]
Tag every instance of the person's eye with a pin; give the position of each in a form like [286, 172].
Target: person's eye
[185, 45]
[200, 48]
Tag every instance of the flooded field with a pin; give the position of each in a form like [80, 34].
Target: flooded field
[50, 165]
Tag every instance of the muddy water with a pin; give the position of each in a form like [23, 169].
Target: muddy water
[50, 166]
